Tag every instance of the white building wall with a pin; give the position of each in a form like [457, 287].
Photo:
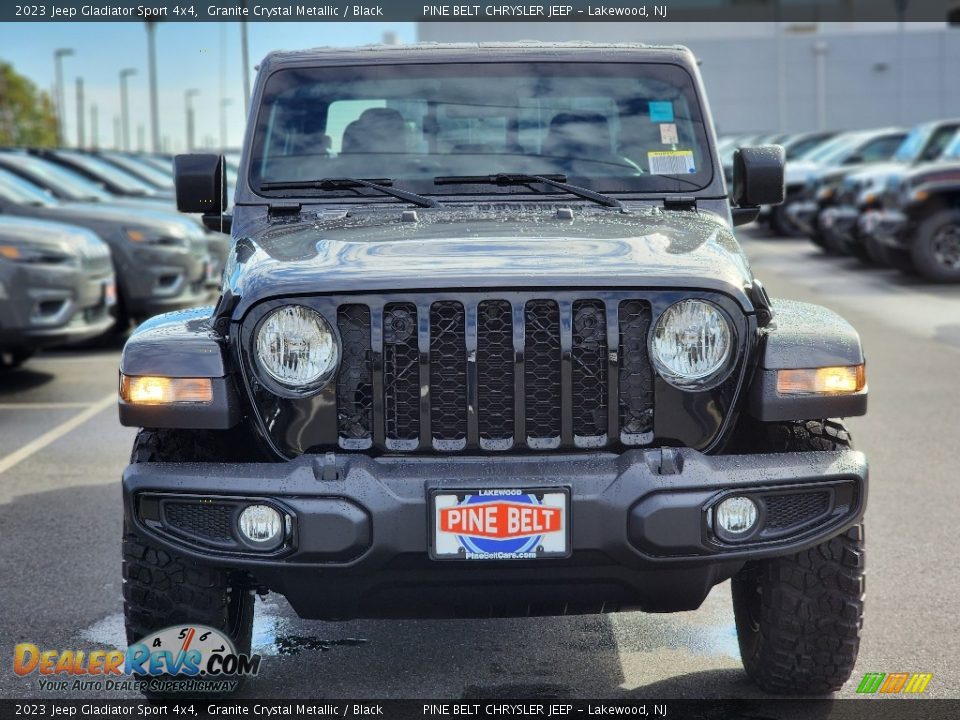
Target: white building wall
[875, 75]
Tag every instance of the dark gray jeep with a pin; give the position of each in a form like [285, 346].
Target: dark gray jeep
[487, 345]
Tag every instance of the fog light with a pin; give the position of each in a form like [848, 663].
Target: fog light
[736, 515]
[261, 525]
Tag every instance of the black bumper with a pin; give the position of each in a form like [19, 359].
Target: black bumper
[640, 527]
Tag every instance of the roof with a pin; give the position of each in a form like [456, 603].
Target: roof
[487, 51]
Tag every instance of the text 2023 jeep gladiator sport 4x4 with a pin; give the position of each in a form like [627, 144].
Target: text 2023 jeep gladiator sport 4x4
[487, 345]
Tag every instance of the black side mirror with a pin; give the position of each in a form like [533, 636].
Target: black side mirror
[758, 176]
[201, 186]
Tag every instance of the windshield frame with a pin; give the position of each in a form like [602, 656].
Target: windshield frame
[709, 184]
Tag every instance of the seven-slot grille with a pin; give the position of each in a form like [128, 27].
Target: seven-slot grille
[494, 374]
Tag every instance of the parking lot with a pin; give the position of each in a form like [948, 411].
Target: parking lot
[62, 451]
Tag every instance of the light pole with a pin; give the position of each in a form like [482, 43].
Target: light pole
[245, 62]
[94, 127]
[187, 97]
[81, 139]
[124, 107]
[58, 55]
[820, 49]
[224, 104]
[154, 110]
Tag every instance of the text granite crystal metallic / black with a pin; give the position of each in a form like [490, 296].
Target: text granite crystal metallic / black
[487, 345]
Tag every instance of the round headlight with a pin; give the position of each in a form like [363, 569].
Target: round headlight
[691, 344]
[297, 348]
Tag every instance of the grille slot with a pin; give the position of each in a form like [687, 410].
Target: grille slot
[355, 380]
[636, 374]
[401, 376]
[542, 373]
[794, 510]
[209, 522]
[589, 372]
[495, 374]
[448, 376]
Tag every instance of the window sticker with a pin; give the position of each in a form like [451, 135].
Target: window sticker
[668, 134]
[671, 162]
[661, 111]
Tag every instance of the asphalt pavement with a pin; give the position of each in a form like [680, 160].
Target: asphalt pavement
[62, 451]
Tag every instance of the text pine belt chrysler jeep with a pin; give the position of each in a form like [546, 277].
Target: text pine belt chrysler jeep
[486, 345]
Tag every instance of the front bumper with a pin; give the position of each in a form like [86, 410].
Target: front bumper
[890, 227]
[804, 214]
[640, 527]
[840, 220]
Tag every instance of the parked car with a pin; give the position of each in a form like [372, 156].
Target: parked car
[65, 184]
[509, 376]
[812, 181]
[56, 286]
[161, 259]
[157, 179]
[918, 221]
[860, 190]
[112, 178]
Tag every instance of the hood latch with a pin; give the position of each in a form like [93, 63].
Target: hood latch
[680, 202]
[283, 207]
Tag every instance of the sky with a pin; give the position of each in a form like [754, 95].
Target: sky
[203, 56]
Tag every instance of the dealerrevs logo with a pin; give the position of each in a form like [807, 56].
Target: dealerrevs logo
[184, 658]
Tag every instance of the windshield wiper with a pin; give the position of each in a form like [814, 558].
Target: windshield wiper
[330, 184]
[504, 179]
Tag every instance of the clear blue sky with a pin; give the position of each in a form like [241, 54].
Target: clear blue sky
[189, 55]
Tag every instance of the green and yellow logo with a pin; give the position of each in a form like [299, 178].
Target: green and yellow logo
[893, 683]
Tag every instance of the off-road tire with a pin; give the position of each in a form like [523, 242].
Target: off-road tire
[922, 248]
[160, 588]
[799, 617]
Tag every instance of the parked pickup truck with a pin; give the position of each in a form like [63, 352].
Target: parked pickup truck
[487, 345]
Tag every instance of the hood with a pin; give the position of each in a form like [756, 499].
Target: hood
[139, 217]
[471, 249]
[68, 239]
[797, 172]
[947, 171]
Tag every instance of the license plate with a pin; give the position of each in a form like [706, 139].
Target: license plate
[500, 524]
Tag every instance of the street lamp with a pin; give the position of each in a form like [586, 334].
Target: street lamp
[124, 108]
[187, 97]
[58, 56]
[154, 110]
[81, 138]
[224, 104]
[245, 62]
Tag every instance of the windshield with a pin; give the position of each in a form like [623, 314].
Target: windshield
[141, 170]
[64, 183]
[832, 148]
[610, 127]
[952, 151]
[910, 148]
[108, 172]
[17, 190]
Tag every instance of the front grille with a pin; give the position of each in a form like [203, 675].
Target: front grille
[515, 372]
[211, 522]
[794, 510]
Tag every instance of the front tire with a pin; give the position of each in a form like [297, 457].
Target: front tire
[162, 589]
[799, 617]
[936, 247]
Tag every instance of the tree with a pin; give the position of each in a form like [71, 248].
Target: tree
[27, 116]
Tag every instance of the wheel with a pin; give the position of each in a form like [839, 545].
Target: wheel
[781, 223]
[879, 253]
[161, 589]
[799, 617]
[936, 247]
[15, 357]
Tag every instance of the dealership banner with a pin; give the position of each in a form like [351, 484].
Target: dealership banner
[466, 11]
[553, 708]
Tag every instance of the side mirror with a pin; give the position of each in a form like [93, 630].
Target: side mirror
[758, 176]
[854, 159]
[200, 182]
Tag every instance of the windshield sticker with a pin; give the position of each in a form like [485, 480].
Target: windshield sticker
[668, 134]
[671, 162]
[661, 111]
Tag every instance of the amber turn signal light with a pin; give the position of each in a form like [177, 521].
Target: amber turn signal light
[151, 390]
[825, 381]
